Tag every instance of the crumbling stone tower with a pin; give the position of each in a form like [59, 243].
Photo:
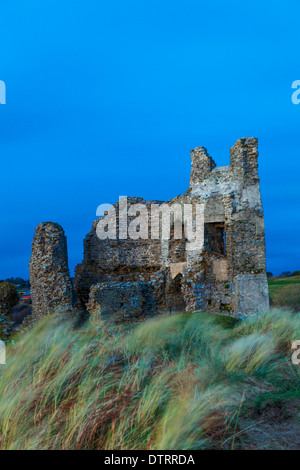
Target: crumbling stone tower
[231, 276]
[50, 280]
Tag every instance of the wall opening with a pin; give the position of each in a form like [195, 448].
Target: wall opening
[175, 297]
[214, 238]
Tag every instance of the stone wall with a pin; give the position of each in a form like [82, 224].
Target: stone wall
[116, 260]
[119, 301]
[51, 286]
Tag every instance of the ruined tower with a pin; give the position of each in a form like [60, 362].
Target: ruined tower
[227, 275]
[233, 259]
[50, 280]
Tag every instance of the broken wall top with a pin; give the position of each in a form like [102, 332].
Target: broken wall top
[207, 179]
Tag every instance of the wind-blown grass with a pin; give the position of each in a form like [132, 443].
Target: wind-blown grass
[179, 382]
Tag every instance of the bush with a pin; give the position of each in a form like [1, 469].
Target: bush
[286, 274]
[20, 312]
[9, 297]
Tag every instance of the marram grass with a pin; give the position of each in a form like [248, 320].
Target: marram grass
[182, 382]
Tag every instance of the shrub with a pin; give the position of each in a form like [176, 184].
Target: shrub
[9, 297]
[286, 274]
[20, 312]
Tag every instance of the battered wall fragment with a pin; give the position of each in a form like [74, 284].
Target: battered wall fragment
[117, 260]
[251, 294]
[51, 285]
[126, 300]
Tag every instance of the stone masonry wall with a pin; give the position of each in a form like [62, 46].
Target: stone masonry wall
[126, 300]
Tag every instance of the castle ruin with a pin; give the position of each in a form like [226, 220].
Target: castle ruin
[130, 278]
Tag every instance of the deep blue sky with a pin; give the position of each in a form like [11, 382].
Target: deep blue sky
[107, 98]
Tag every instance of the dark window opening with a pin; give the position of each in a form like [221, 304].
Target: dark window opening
[214, 238]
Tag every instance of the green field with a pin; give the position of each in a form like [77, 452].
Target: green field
[285, 291]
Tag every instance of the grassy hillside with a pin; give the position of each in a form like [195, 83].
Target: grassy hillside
[285, 291]
[182, 382]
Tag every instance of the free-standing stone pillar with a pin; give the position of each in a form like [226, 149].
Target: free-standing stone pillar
[51, 285]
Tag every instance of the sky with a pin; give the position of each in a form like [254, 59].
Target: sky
[107, 98]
